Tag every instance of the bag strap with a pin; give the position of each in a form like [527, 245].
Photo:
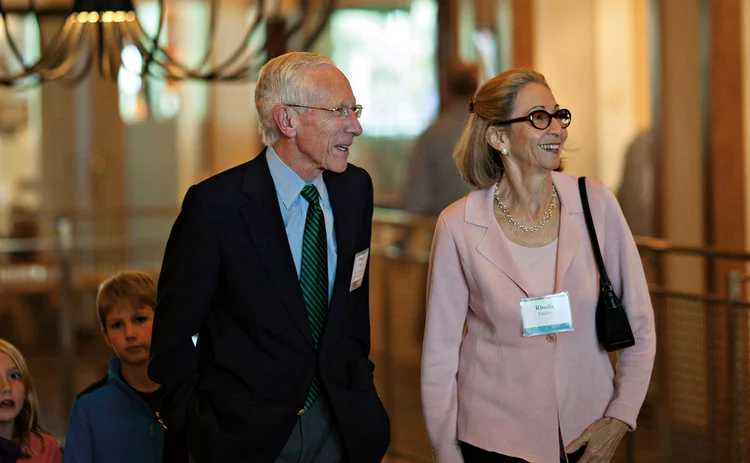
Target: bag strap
[603, 278]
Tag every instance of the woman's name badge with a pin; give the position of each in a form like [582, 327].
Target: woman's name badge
[548, 314]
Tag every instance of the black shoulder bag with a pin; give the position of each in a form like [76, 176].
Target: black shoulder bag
[612, 326]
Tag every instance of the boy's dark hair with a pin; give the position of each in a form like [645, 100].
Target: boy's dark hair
[136, 289]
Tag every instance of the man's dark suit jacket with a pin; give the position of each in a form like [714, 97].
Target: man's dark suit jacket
[228, 272]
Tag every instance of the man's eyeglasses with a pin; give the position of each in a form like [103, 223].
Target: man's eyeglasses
[342, 111]
[541, 119]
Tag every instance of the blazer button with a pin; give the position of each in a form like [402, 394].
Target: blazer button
[301, 412]
[551, 338]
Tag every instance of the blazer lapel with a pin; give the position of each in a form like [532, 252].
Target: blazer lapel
[570, 233]
[345, 215]
[266, 227]
[493, 247]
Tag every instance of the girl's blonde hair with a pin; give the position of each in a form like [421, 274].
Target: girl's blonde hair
[27, 420]
[479, 163]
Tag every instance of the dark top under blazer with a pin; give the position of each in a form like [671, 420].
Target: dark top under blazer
[228, 273]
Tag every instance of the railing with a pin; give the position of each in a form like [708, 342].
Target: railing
[702, 363]
[696, 408]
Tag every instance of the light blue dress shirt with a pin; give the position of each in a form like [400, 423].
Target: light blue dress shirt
[294, 211]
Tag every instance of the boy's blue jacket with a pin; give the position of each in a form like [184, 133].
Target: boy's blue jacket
[110, 423]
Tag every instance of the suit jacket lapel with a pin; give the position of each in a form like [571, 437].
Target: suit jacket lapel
[266, 227]
[345, 215]
[494, 248]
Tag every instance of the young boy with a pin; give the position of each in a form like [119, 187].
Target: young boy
[115, 420]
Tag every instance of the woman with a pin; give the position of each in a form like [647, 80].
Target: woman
[491, 394]
[19, 409]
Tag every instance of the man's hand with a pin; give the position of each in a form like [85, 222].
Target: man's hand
[601, 439]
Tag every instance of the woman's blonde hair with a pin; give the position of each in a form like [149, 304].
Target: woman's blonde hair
[27, 420]
[479, 163]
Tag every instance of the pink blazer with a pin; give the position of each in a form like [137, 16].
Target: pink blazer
[499, 391]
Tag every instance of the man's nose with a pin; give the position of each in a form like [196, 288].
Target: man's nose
[352, 125]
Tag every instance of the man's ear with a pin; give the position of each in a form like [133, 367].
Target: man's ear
[285, 121]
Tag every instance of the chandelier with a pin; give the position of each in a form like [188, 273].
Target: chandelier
[96, 32]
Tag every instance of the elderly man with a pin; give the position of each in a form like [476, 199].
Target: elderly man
[269, 262]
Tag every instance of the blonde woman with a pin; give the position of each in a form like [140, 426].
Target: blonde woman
[528, 381]
[19, 421]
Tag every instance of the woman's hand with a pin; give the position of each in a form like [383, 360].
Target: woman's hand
[601, 439]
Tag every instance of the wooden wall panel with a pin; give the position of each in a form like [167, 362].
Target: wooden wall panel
[523, 33]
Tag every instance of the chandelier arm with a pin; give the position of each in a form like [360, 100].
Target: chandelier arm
[81, 75]
[321, 26]
[172, 70]
[40, 35]
[98, 49]
[304, 4]
[242, 48]
[186, 74]
[157, 54]
[83, 43]
[147, 71]
[12, 43]
[144, 43]
[149, 55]
[113, 48]
[166, 61]
[213, 8]
[63, 62]
[149, 47]
[57, 45]
[137, 36]
[218, 70]
[16, 80]
[128, 32]
[241, 73]
[34, 11]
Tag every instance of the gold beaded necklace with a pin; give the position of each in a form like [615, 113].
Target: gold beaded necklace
[527, 228]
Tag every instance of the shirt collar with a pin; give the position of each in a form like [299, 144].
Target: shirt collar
[288, 184]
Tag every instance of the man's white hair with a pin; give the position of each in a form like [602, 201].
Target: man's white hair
[282, 81]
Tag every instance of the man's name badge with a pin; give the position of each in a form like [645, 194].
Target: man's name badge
[548, 314]
[358, 272]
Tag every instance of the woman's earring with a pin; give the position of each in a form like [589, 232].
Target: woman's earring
[504, 151]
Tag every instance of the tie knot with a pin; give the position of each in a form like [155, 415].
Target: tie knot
[310, 193]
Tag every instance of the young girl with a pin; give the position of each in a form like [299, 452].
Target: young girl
[18, 410]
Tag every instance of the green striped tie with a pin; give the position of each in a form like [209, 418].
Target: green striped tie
[314, 274]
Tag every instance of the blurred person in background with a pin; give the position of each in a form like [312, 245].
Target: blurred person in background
[433, 181]
[636, 192]
[491, 394]
[116, 419]
[268, 261]
[19, 410]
